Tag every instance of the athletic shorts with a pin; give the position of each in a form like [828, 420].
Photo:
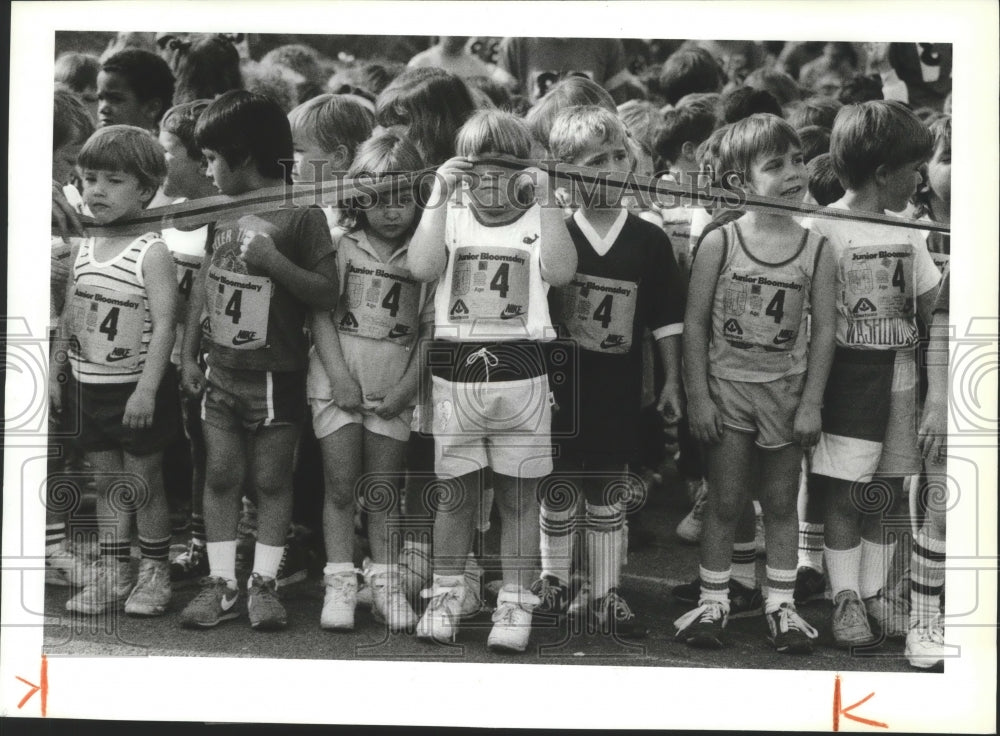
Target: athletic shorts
[869, 416]
[503, 425]
[327, 418]
[101, 408]
[238, 400]
[765, 410]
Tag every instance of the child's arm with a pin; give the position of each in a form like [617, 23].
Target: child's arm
[808, 422]
[401, 395]
[427, 254]
[703, 415]
[192, 378]
[346, 390]
[671, 401]
[558, 254]
[160, 276]
[60, 338]
[933, 430]
[925, 305]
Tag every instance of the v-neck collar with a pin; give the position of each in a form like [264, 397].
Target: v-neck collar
[599, 244]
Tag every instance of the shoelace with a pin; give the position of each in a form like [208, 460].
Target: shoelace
[489, 360]
[708, 612]
[854, 614]
[618, 607]
[504, 614]
[790, 620]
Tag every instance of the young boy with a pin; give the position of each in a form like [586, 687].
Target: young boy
[262, 276]
[626, 280]
[885, 279]
[753, 378]
[188, 179]
[119, 320]
[134, 87]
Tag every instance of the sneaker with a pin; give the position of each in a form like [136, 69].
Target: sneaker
[850, 622]
[925, 644]
[552, 595]
[703, 626]
[65, 569]
[891, 612]
[389, 605]
[110, 586]
[789, 632]
[294, 565]
[191, 565]
[743, 601]
[340, 601]
[215, 603]
[415, 569]
[512, 620]
[689, 530]
[612, 616]
[810, 585]
[443, 612]
[152, 593]
[580, 604]
[265, 610]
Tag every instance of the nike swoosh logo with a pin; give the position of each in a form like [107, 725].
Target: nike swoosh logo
[515, 315]
[780, 340]
[611, 342]
[243, 340]
[111, 358]
[395, 332]
[227, 603]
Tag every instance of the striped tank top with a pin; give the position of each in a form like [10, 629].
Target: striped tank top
[107, 315]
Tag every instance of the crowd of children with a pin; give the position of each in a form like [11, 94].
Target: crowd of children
[403, 346]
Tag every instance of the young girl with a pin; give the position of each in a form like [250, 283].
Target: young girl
[119, 320]
[754, 386]
[363, 378]
[498, 255]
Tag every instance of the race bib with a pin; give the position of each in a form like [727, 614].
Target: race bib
[187, 270]
[879, 282]
[598, 313]
[489, 283]
[238, 306]
[106, 326]
[380, 302]
[762, 312]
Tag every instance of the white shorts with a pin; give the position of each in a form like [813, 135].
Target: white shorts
[504, 425]
[328, 418]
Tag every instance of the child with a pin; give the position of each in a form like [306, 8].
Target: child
[326, 131]
[626, 280]
[363, 376]
[498, 256]
[188, 179]
[134, 87]
[79, 73]
[119, 319]
[824, 186]
[754, 386]
[690, 70]
[885, 279]
[262, 275]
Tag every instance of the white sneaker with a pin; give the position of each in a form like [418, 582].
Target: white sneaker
[925, 644]
[443, 613]
[65, 569]
[389, 604]
[512, 619]
[339, 601]
[689, 530]
[151, 594]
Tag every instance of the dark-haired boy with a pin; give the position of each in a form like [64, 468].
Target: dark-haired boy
[134, 87]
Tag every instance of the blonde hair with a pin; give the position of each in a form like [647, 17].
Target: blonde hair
[493, 131]
[332, 121]
[387, 154]
[577, 127]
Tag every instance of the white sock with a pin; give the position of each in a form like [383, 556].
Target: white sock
[334, 568]
[780, 588]
[267, 559]
[811, 545]
[557, 543]
[604, 539]
[744, 564]
[714, 585]
[875, 561]
[844, 569]
[222, 560]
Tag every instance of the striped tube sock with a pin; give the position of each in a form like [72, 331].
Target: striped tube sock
[811, 545]
[875, 562]
[155, 549]
[843, 566]
[926, 578]
[55, 534]
[604, 532]
[714, 585]
[222, 560]
[121, 551]
[557, 529]
[744, 569]
[780, 588]
[198, 528]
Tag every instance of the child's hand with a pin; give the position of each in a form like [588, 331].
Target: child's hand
[192, 379]
[257, 246]
[932, 433]
[391, 405]
[64, 218]
[347, 394]
[705, 421]
[808, 424]
[671, 403]
[55, 393]
[450, 173]
[139, 409]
